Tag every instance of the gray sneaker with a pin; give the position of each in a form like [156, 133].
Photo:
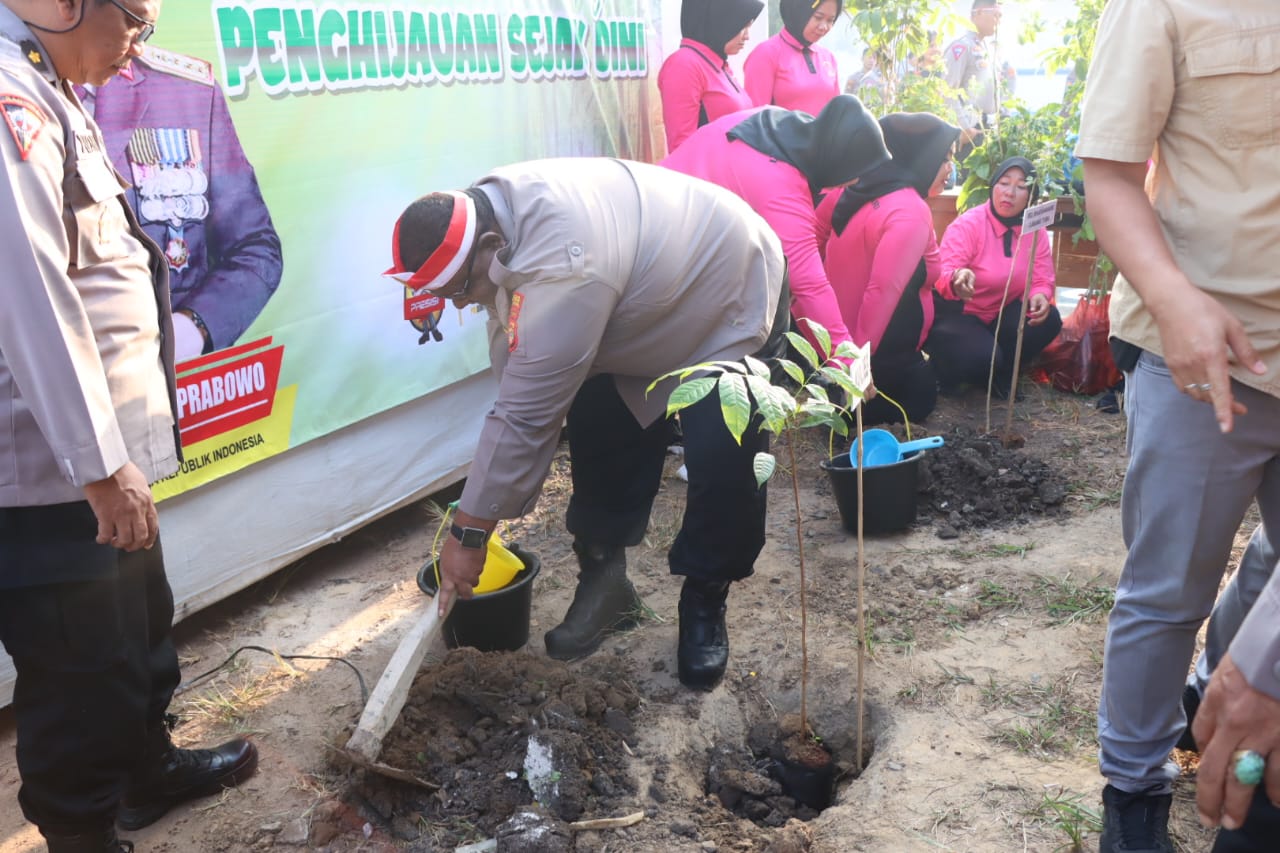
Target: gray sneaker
[1134, 823]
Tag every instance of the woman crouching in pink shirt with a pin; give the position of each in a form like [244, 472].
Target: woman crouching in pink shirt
[882, 259]
[977, 255]
[778, 161]
[696, 83]
[790, 70]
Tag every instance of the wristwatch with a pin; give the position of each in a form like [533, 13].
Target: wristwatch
[469, 537]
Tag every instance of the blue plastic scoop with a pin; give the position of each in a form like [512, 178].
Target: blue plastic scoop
[881, 447]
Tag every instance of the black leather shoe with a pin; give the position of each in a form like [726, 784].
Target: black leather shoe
[703, 650]
[175, 776]
[89, 842]
[605, 602]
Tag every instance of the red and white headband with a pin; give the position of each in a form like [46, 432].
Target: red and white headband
[444, 263]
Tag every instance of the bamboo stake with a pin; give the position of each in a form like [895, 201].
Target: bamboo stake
[995, 338]
[804, 612]
[862, 573]
[1022, 325]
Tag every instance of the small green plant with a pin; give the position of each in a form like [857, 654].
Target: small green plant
[748, 393]
[993, 596]
[1067, 601]
[1066, 811]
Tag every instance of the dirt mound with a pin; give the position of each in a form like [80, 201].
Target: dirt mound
[974, 481]
[497, 731]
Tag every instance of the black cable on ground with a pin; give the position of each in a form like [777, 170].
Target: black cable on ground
[364, 691]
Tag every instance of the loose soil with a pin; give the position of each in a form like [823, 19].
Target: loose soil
[984, 632]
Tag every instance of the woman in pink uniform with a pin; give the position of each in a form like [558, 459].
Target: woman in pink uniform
[979, 249]
[790, 70]
[695, 82]
[882, 259]
[778, 161]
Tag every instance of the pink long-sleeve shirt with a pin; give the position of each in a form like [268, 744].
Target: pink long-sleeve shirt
[976, 240]
[777, 73]
[692, 79]
[780, 193]
[871, 262]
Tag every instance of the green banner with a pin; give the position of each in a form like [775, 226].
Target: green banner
[345, 113]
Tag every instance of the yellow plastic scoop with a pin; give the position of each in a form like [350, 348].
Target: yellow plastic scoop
[500, 566]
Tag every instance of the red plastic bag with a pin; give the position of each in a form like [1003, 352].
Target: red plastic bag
[1079, 361]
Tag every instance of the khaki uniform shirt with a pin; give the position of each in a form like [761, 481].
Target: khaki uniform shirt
[971, 70]
[610, 267]
[86, 353]
[1195, 85]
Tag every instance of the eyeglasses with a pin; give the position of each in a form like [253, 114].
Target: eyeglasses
[146, 29]
[466, 282]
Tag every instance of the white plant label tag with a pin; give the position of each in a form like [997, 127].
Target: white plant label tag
[1039, 217]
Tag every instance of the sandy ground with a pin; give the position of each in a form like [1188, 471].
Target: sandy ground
[981, 681]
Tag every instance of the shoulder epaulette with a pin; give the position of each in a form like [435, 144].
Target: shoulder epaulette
[178, 64]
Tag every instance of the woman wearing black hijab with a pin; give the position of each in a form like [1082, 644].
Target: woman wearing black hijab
[979, 250]
[882, 258]
[778, 161]
[791, 70]
[696, 83]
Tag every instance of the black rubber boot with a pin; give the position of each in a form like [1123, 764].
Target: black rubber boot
[703, 651]
[169, 776]
[605, 602]
[104, 841]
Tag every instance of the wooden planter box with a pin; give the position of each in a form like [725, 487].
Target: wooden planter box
[1072, 262]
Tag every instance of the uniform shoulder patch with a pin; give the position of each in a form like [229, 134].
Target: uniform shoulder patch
[178, 64]
[24, 119]
[958, 51]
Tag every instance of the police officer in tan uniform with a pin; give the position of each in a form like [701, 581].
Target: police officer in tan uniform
[599, 276]
[87, 421]
[972, 70]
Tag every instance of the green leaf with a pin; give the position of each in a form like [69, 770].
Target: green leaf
[803, 347]
[847, 349]
[775, 416]
[728, 366]
[764, 465]
[844, 380]
[688, 393]
[735, 404]
[792, 369]
[816, 392]
[756, 367]
[824, 338]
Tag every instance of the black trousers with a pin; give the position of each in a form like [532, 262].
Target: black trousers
[910, 380]
[617, 468]
[96, 665]
[960, 344]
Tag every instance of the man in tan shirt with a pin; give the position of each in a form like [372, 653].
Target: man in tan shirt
[599, 276]
[87, 421]
[1192, 86]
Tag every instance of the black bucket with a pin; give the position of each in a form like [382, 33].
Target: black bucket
[496, 621]
[891, 492]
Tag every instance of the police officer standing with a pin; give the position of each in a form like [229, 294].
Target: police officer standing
[87, 421]
[973, 71]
